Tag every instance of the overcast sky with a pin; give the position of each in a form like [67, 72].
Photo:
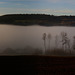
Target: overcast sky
[55, 7]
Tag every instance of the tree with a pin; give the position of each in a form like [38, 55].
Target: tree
[65, 40]
[44, 38]
[56, 41]
[62, 37]
[49, 39]
[74, 42]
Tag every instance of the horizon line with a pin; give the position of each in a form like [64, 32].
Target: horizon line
[36, 14]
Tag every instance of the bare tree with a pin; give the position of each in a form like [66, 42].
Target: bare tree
[74, 42]
[56, 41]
[49, 39]
[44, 38]
[62, 37]
[65, 40]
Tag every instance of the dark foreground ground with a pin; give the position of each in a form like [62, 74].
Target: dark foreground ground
[37, 65]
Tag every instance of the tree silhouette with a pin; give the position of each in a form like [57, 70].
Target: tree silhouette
[62, 37]
[56, 41]
[49, 39]
[65, 40]
[44, 38]
[74, 42]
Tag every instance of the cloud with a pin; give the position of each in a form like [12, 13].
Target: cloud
[61, 1]
[18, 4]
[64, 11]
[37, 11]
[3, 2]
[23, 0]
[35, 0]
[52, 1]
[70, 1]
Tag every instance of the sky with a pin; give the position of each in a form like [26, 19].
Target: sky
[52, 7]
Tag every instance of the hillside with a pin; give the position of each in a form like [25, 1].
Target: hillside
[40, 19]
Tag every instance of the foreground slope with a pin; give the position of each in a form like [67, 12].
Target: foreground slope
[38, 65]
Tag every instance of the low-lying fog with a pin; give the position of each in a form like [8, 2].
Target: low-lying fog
[18, 37]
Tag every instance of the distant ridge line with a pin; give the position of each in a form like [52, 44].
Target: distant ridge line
[40, 19]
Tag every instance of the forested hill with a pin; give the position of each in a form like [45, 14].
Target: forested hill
[40, 19]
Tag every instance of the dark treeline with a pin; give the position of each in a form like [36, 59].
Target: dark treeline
[40, 19]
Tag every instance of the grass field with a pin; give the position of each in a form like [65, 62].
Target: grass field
[37, 65]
